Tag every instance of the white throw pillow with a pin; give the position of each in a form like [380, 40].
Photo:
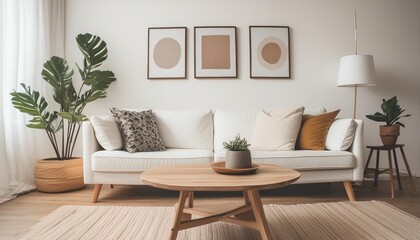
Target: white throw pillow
[107, 132]
[277, 129]
[185, 129]
[341, 134]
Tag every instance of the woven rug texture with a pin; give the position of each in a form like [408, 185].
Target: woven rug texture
[340, 220]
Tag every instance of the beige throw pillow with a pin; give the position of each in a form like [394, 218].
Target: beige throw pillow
[107, 132]
[277, 129]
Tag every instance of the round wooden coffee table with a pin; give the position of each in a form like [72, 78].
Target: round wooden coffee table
[201, 177]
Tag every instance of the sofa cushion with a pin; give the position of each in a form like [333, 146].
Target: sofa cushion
[139, 130]
[277, 129]
[300, 159]
[228, 123]
[106, 132]
[341, 134]
[122, 161]
[314, 130]
[185, 129]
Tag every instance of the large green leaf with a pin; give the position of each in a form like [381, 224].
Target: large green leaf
[99, 82]
[73, 117]
[93, 48]
[30, 102]
[56, 73]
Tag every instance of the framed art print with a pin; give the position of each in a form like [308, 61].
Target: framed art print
[269, 52]
[215, 52]
[166, 57]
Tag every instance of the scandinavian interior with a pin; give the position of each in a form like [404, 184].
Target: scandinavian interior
[180, 105]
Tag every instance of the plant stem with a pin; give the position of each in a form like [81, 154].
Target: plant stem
[74, 142]
[54, 144]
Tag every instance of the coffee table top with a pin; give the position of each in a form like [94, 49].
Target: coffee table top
[201, 177]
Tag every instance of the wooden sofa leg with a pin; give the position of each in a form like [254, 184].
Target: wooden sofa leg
[349, 191]
[96, 192]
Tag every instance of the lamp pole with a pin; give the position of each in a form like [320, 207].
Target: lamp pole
[355, 53]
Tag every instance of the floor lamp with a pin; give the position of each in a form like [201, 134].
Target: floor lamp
[356, 70]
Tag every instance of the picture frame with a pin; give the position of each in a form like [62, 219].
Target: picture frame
[215, 52]
[167, 53]
[269, 48]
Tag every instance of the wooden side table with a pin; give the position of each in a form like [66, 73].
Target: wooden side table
[391, 172]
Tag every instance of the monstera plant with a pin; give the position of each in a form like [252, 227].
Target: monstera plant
[62, 125]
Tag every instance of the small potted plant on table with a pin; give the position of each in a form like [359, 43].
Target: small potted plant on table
[391, 116]
[238, 154]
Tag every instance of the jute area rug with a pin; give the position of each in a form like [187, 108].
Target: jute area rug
[342, 220]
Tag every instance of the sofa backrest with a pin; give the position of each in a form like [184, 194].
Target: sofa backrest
[192, 129]
[228, 123]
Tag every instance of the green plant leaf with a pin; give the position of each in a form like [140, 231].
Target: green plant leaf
[73, 117]
[30, 102]
[56, 73]
[378, 117]
[93, 49]
[391, 112]
[237, 144]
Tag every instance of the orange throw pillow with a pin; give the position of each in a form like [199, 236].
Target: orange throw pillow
[314, 131]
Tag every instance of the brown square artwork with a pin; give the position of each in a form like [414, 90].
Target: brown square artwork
[215, 52]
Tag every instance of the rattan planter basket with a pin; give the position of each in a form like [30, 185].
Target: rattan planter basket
[53, 176]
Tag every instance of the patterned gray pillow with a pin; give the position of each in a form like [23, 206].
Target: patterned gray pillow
[139, 130]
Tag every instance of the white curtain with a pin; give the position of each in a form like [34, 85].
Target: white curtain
[31, 32]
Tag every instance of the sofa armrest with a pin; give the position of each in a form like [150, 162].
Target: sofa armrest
[90, 145]
[357, 148]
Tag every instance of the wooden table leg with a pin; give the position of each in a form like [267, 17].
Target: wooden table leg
[259, 214]
[178, 214]
[246, 215]
[368, 161]
[408, 170]
[397, 169]
[391, 173]
[189, 203]
[375, 182]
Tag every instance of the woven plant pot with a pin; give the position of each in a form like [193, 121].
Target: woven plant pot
[389, 134]
[54, 176]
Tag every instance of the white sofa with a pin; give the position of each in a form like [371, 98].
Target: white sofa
[196, 137]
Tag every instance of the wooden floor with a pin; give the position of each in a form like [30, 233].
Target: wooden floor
[18, 215]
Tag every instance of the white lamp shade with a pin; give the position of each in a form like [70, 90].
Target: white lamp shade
[356, 70]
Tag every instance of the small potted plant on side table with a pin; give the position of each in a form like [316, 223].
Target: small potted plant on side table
[238, 154]
[391, 116]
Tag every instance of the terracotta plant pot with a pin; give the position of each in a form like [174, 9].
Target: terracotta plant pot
[389, 134]
[54, 176]
[238, 159]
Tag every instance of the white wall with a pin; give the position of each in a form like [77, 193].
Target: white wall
[321, 33]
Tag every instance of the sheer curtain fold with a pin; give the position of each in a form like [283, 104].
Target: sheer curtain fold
[31, 32]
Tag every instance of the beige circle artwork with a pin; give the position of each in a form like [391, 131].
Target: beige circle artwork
[272, 53]
[167, 53]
